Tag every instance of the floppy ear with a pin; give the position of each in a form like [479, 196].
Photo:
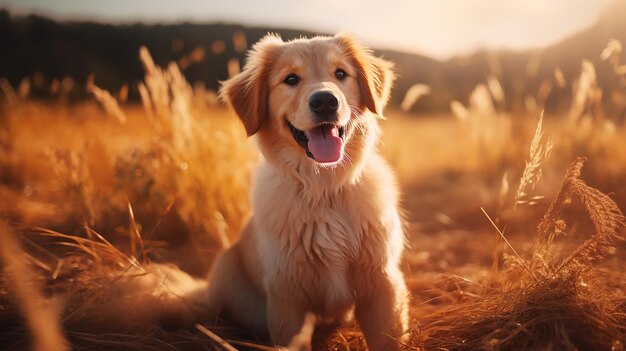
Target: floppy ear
[248, 91]
[375, 75]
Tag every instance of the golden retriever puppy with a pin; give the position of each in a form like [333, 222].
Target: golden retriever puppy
[325, 235]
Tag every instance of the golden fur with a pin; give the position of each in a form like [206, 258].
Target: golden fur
[324, 237]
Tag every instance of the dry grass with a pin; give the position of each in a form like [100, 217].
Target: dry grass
[119, 207]
[539, 153]
[554, 304]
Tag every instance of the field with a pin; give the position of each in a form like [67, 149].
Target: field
[112, 211]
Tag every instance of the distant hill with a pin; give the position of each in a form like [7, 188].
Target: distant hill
[455, 78]
[77, 49]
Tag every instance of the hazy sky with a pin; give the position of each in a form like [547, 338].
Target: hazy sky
[440, 28]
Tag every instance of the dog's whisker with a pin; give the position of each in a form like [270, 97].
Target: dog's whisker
[355, 108]
[357, 112]
[347, 159]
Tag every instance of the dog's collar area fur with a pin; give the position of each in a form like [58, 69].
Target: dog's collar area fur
[300, 137]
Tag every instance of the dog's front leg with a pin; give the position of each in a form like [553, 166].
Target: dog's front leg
[285, 318]
[382, 308]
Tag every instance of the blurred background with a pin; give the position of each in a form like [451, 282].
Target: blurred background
[115, 154]
[532, 48]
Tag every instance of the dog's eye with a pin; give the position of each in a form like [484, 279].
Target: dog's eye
[292, 79]
[340, 74]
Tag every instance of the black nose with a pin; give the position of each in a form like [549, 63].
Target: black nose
[324, 105]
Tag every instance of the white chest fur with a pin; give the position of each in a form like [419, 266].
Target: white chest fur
[314, 247]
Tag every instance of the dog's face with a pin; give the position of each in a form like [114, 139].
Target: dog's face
[309, 98]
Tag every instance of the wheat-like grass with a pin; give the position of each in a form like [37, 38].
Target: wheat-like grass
[540, 150]
[412, 95]
[606, 216]
[540, 308]
[585, 90]
[108, 102]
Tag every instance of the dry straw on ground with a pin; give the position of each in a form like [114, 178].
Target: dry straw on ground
[554, 304]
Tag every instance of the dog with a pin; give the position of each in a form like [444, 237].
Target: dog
[325, 237]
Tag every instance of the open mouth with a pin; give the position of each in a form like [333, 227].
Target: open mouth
[324, 143]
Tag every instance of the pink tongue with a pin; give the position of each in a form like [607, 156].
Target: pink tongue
[325, 143]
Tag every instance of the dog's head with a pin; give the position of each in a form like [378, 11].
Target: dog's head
[310, 99]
